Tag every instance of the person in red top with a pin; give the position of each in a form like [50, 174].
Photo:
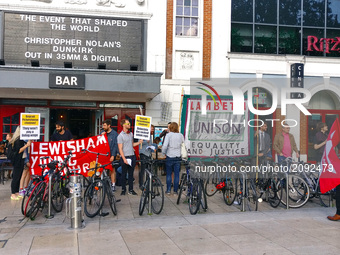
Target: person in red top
[284, 144]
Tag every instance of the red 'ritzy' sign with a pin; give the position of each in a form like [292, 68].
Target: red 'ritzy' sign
[59, 150]
[329, 44]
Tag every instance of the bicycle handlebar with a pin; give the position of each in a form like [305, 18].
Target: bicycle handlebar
[98, 153]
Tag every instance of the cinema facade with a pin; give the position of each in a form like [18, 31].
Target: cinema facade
[76, 61]
[153, 50]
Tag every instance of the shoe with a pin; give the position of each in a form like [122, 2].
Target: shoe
[334, 218]
[168, 193]
[22, 193]
[113, 188]
[132, 192]
[122, 193]
[14, 198]
[176, 193]
[141, 187]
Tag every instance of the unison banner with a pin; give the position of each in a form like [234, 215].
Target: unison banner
[59, 150]
[217, 131]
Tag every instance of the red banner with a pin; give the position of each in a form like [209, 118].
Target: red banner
[59, 151]
[330, 176]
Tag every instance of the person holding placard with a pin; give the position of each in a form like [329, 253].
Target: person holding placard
[127, 155]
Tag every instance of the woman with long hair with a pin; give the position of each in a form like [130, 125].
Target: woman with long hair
[18, 148]
[172, 149]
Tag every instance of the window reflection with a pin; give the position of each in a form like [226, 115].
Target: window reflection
[314, 13]
[242, 10]
[289, 40]
[265, 39]
[333, 13]
[265, 11]
[290, 12]
[241, 38]
[318, 33]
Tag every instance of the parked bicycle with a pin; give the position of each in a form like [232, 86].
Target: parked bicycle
[194, 187]
[99, 187]
[153, 189]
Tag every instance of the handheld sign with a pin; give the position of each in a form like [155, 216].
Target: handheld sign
[30, 126]
[142, 127]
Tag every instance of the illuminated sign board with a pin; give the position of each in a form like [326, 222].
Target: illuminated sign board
[85, 41]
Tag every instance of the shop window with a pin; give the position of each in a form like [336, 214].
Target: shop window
[289, 40]
[290, 12]
[242, 10]
[266, 11]
[10, 124]
[333, 13]
[265, 39]
[187, 17]
[241, 38]
[332, 33]
[314, 13]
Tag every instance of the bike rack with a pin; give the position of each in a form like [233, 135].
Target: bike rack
[287, 190]
[243, 209]
[49, 215]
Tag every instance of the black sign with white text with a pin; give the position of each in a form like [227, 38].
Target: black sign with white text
[67, 81]
[84, 41]
[296, 79]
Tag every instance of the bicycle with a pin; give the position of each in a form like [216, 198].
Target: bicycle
[215, 182]
[298, 189]
[154, 190]
[195, 191]
[99, 187]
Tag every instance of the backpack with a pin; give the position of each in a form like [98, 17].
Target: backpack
[11, 154]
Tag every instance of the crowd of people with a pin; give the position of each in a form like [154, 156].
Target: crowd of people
[122, 147]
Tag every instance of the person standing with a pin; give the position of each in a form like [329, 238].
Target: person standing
[320, 140]
[336, 217]
[127, 155]
[165, 132]
[5, 143]
[144, 155]
[284, 144]
[18, 148]
[61, 133]
[264, 142]
[172, 149]
[112, 139]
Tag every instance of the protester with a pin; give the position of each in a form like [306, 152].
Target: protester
[26, 174]
[112, 139]
[264, 143]
[61, 133]
[18, 148]
[172, 149]
[4, 146]
[320, 140]
[127, 155]
[336, 217]
[284, 144]
[165, 132]
[145, 154]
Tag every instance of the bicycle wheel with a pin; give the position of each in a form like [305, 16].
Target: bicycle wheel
[28, 192]
[37, 201]
[325, 199]
[239, 190]
[111, 198]
[157, 195]
[182, 187]
[203, 196]
[144, 197]
[230, 191]
[273, 190]
[94, 197]
[298, 191]
[29, 204]
[210, 185]
[57, 196]
[251, 198]
[194, 197]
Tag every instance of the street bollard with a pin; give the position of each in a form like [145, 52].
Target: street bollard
[74, 203]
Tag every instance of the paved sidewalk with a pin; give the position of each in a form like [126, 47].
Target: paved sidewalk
[220, 230]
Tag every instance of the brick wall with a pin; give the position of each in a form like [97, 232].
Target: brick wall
[207, 24]
[169, 39]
